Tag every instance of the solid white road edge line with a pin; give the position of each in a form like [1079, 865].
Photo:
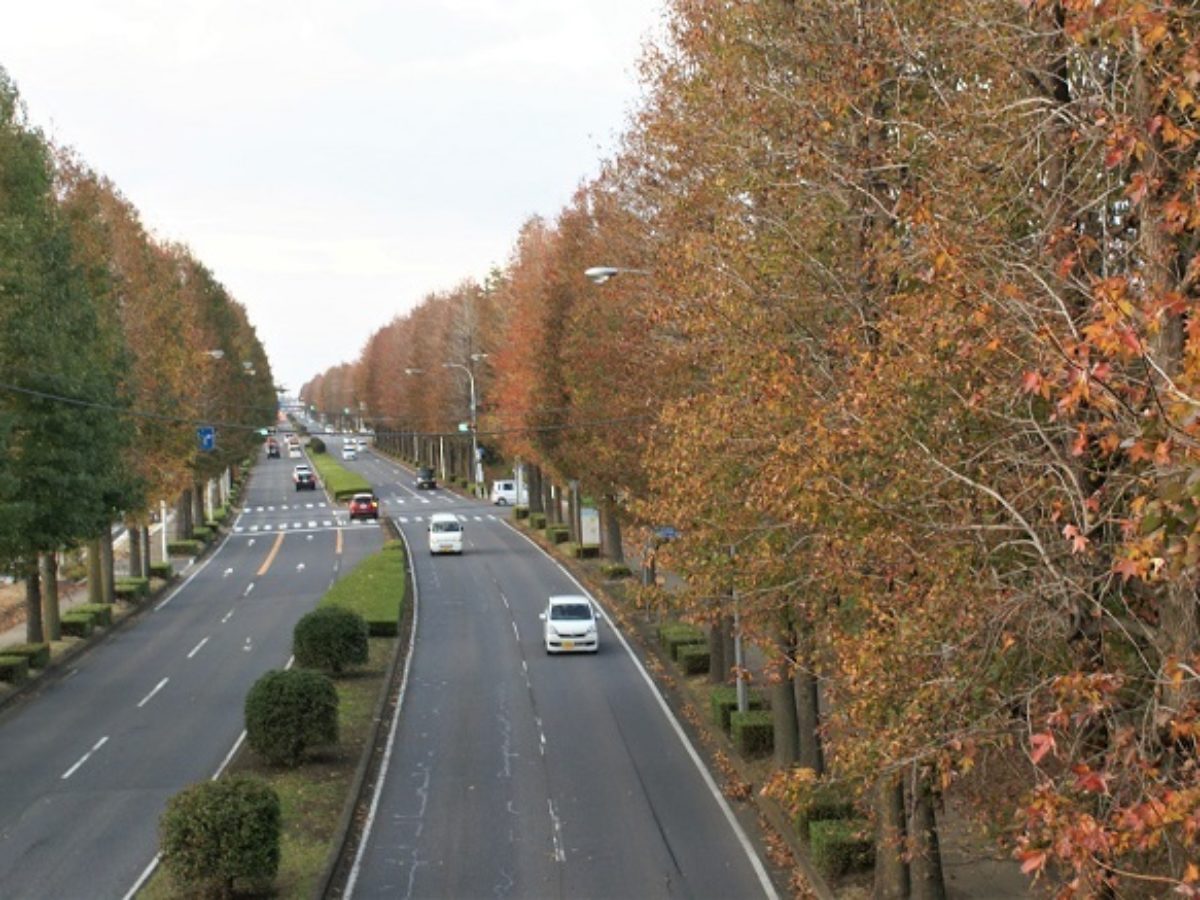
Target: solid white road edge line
[738, 831]
[391, 741]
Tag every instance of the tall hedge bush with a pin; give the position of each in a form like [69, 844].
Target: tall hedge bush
[330, 638]
[216, 833]
[289, 711]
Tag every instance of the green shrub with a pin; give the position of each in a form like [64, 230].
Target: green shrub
[693, 659]
[520, 512]
[218, 832]
[374, 589]
[202, 533]
[220, 514]
[557, 534]
[288, 712]
[673, 635]
[330, 638]
[537, 521]
[824, 803]
[752, 732]
[13, 668]
[613, 571]
[185, 548]
[37, 654]
[101, 613]
[212, 524]
[132, 589]
[723, 700]
[162, 570]
[74, 624]
[841, 846]
[316, 445]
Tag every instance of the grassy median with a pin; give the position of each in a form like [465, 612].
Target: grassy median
[341, 483]
[314, 795]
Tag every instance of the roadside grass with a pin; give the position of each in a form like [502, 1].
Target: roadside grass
[341, 483]
[314, 795]
[374, 589]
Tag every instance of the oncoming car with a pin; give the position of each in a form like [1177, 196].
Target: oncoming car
[364, 506]
[445, 533]
[569, 625]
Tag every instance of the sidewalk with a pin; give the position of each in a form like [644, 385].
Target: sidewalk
[73, 593]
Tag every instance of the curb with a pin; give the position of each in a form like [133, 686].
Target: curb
[333, 875]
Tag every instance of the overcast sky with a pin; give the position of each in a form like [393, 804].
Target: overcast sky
[333, 162]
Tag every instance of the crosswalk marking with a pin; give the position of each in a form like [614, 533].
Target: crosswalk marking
[461, 518]
[326, 523]
[493, 518]
[312, 524]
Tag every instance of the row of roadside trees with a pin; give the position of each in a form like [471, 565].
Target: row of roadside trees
[114, 347]
[910, 358]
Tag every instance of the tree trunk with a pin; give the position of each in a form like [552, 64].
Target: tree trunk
[783, 699]
[808, 715]
[553, 508]
[534, 489]
[573, 513]
[48, 573]
[199, 514]
[108, 575]
[610, 532]
[926, 866]
[34, 633]
[147, 553]
[719, 663]
[95, 572]
[134, 536]
[183, 515]
[891, 871]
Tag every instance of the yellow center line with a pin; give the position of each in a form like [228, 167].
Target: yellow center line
[338, 551]
[271, 556]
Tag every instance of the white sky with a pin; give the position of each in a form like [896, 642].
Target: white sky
[333, 162]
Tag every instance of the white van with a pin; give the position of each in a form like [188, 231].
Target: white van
[504, 493]
[445, 533]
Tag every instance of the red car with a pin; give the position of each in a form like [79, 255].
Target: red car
[364, 506]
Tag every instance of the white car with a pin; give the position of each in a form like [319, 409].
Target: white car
[504, 493]
[294, 453]
[569, 625]
[445, 533]
[349, 452]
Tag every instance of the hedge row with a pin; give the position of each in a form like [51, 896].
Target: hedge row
[375, 589]
[673, 635]
[185, 548]
[341, 483]
[13, 668]
[38, 655]
[132, 589]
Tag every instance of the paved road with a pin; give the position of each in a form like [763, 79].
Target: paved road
[514, 774]
[87, 766]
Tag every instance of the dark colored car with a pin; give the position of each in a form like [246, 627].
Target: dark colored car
[364, 506]
[272, 449]
[304, 478]
[425, 478]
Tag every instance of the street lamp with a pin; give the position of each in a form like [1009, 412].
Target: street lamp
[474, 422]
[601, 274]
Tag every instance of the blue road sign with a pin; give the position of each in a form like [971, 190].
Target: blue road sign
[207, 435]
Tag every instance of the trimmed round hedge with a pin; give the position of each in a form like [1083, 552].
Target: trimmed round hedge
[330, 638]
[289, 711]
[217, 832]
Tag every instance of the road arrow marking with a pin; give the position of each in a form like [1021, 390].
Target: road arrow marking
[299, 567]
[228, 572]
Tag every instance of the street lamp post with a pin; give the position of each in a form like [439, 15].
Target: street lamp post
[601, 274]
[478, 467]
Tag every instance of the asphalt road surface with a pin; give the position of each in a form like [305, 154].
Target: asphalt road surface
[87, 766]
[514, 774]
